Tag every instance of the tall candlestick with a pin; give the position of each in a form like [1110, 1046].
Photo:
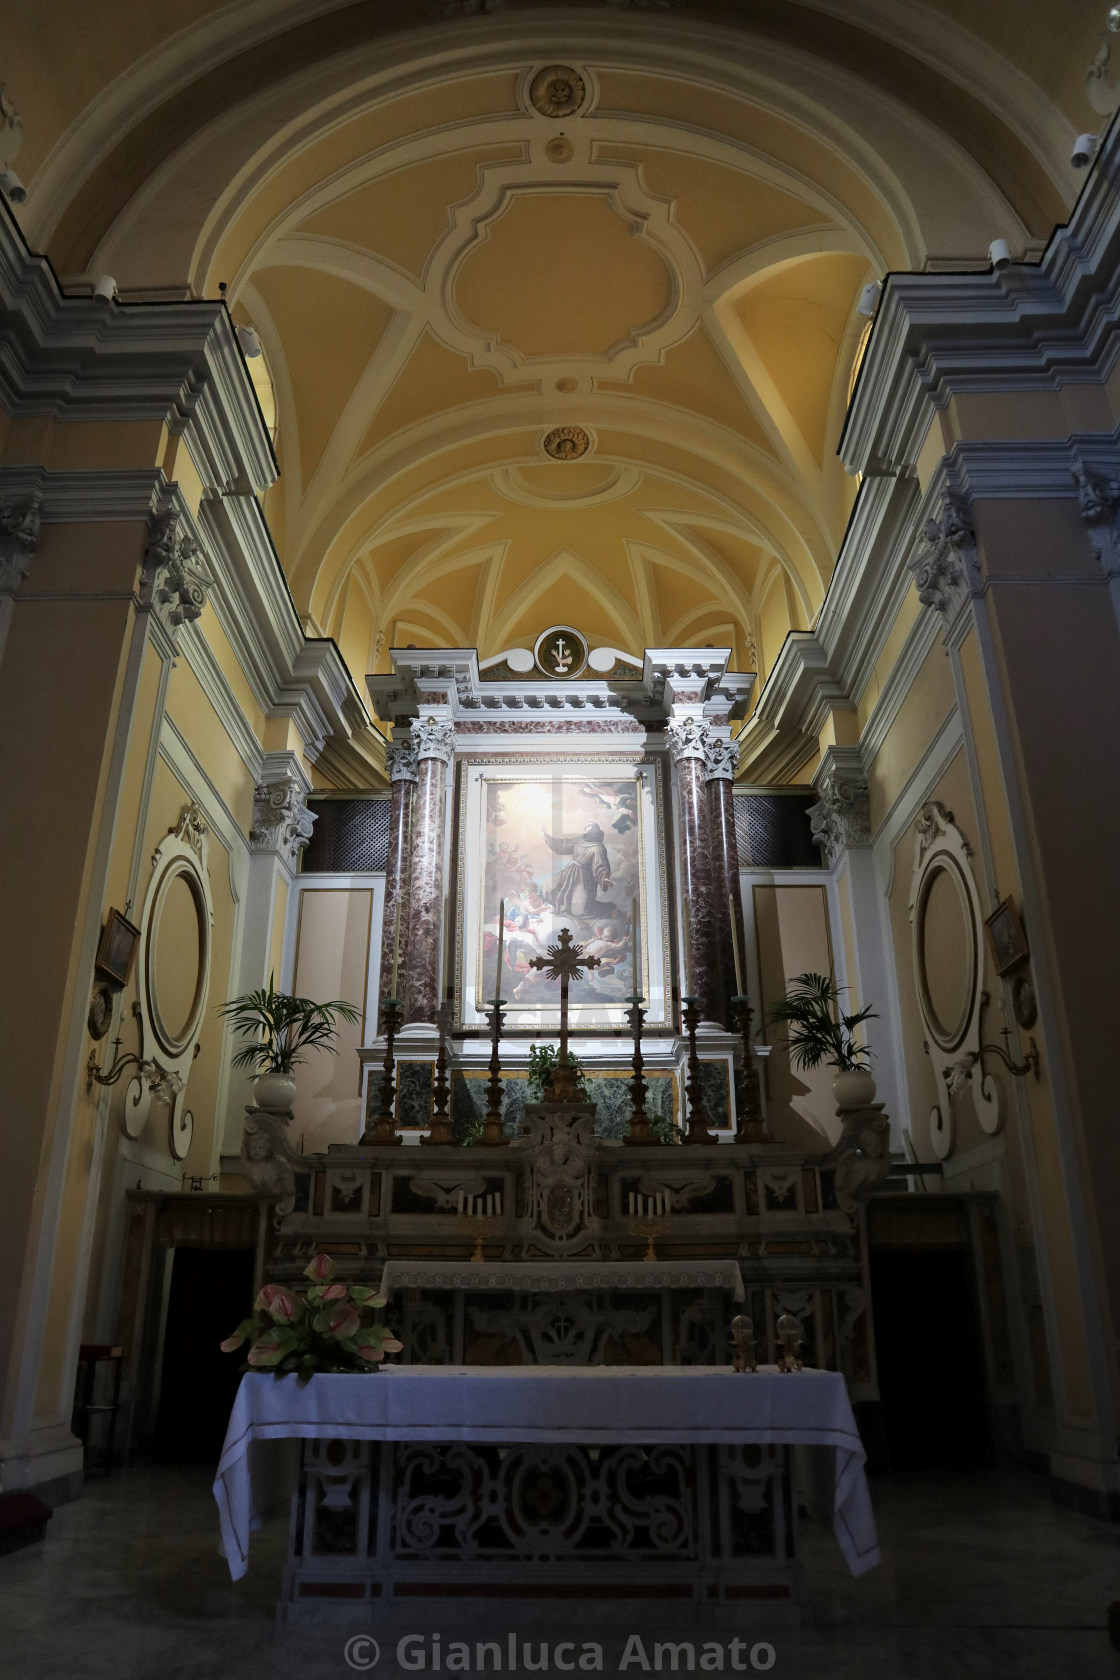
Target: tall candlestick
[501, 942]
[396, 951]
[735, 950]
[635, 936]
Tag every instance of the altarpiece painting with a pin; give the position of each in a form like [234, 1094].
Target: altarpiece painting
[561, 845]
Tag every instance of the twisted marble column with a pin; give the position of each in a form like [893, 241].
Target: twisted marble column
[721, 760]
[435, 744]
[688, 737]
[401, 762]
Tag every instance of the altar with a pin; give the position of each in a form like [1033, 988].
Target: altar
[563, 1266]
[445, 1482]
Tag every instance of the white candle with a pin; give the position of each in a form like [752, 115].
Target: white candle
[396, 951]
[735, 949]
[635, 937]
[501, 942]
[686, 965]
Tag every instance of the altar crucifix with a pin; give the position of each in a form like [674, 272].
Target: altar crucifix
[564, 962]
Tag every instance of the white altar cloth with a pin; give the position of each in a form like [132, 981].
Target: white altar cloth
[548, 1276]
[650, 1405]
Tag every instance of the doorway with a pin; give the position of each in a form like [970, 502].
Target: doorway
[211, 1292]
[932, 1379]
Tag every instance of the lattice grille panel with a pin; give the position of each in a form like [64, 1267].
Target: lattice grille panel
[772, 831]
[350, 836]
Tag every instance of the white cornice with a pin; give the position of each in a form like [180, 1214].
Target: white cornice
[89, 359]
[450, 678]
[1032, 326]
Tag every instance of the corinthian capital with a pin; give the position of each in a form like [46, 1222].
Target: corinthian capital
[944, 564]
[19, 536]
[400, 760]
[842, 815]
[173, 583]
[688, 738]
[434, 738]
[721, 760]
[281, 821]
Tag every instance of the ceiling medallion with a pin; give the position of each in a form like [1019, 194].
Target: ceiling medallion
[560, 651]
[557, 91]
[566, 443]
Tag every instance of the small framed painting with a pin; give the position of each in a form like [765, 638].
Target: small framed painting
[116, 953]
[1006, 936]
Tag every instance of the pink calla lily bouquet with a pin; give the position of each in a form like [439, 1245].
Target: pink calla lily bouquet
[329, 1328]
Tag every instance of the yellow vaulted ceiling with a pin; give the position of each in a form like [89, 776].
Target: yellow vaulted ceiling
[433, 313]
[444, 271]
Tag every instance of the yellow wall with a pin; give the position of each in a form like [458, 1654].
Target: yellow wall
[332, 961]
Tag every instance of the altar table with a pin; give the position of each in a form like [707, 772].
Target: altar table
[543, 1477]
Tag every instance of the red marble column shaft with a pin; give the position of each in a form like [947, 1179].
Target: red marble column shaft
[696, 871]
[727, 893]
[398, 882]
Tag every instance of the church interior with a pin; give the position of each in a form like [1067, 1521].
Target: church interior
[559, 640]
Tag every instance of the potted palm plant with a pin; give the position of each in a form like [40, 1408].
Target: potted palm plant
[281, 1029]
[819, 1032]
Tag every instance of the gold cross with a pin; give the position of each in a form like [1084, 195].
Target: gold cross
[564, 962]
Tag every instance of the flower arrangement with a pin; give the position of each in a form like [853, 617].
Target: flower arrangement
[330, 1328]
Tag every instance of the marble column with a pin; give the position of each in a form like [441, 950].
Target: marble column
[721, 759]
[688, 736]
[401, 764]
[435, 745]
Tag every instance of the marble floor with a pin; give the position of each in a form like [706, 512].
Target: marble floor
[982, 1577]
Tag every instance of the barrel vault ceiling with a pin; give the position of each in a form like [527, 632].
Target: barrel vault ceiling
[559, 317]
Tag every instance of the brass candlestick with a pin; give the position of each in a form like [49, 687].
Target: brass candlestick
[480, 1226]
[439, 1129]
[742, 1336]
[639, 1131]
[696, 1131]
[790, 1337]
[649, 1226]
[385, 1131]
[751, 1127]
[492, 1124]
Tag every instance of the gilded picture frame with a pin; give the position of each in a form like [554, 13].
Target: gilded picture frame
[561, 843]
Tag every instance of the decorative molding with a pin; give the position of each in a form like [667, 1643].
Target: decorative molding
[954, 1047]
[688, 737]
[281, 821]
[19, 537]
[1098, 496]
[173, 584]
[434, 738]
[842, 815]
[401, 761]
[721, 759]
[201, 660]
[566, 443]
[944, 566]
[558, 91]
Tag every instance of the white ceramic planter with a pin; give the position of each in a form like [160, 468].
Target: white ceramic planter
[275, 1092]
[854, 1089]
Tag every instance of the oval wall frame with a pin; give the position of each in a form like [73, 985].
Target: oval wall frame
[173, 974]
[947, 925]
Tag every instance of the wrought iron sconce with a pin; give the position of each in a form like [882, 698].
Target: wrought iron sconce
[1017, 1070]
